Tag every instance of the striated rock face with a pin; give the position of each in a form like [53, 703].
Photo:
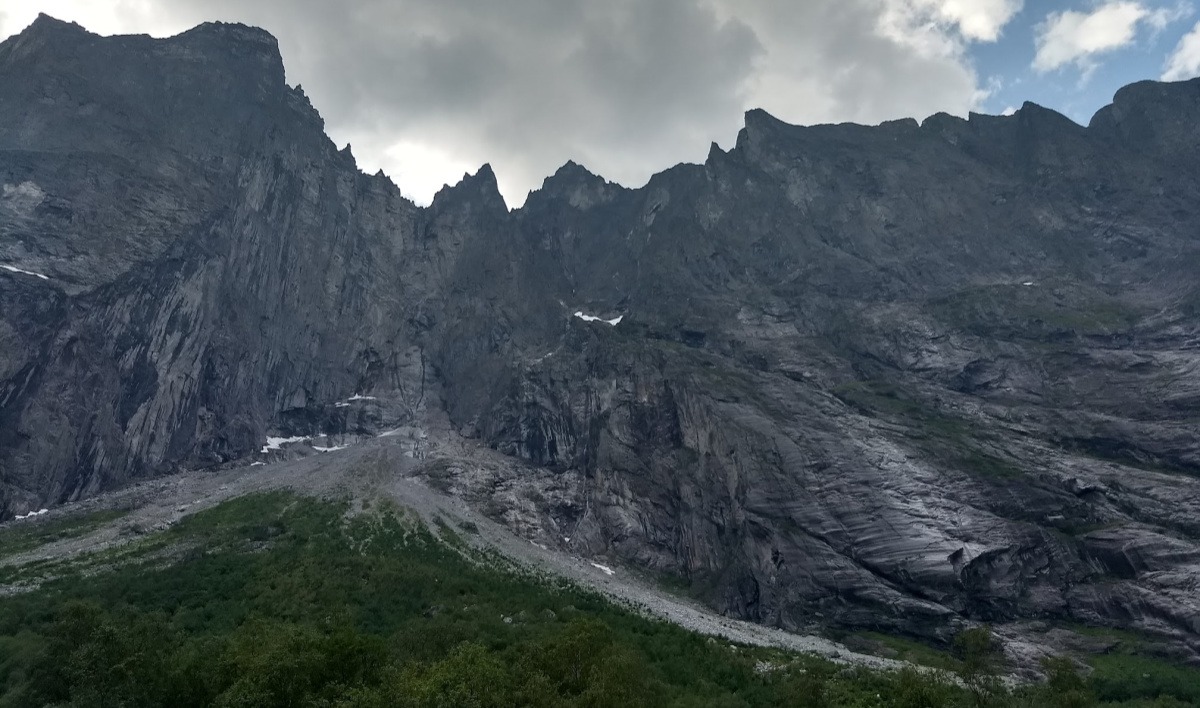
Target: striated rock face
[888, 377]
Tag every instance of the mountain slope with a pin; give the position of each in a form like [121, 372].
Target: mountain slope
[890, 376]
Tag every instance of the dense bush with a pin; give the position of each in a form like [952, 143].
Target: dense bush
[273, 600]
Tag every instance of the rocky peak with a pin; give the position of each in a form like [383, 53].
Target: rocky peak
[249, 49]
[1153, 115]
[237, 34]
[574, 185]
[759, 127]
[1031, 116]
[570, 175]
[44, 36]
[47, 28]
[900, 126]
[950, 127]
[195, 94]
[479, 191]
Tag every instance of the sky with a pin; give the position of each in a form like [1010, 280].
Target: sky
[428, 90]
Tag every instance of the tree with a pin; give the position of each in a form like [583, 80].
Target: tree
[979, 658]
[1064, 687]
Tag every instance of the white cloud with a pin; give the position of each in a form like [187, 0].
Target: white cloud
[113, 17]
[977, 20]
[429, 89]
[856, 60]
[1078, 38]
[1160, 18]
[1184, 62]
[980, 20]
[422, 168]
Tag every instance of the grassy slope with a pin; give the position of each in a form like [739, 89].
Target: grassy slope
[30, 535]
[275, 600]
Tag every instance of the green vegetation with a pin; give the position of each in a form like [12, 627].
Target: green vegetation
[1127, 641]
[1037, 311]
[875, 397]
[29, 535]
[1127, 672]
[1127, 677]
[979, 663]
[943, 436]
[276, 600]
[901, 648]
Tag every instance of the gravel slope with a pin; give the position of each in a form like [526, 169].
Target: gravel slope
[381, 468]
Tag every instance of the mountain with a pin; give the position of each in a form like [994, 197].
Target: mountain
[898, 377]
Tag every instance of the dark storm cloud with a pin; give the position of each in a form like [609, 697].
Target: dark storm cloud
[430, 88]
[525, 84]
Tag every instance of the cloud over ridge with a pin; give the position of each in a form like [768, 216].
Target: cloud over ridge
[430, 89]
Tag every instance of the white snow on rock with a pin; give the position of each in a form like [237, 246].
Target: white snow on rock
[335, 448]
[278, 443]
[1027, 283]
[31, 514]
[592, 318]
[605, 568]
[257, 464]
[14, 269]
[25, 190]
[355, 397]
[544, 357]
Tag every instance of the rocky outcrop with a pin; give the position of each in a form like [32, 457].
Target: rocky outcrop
[894, 376]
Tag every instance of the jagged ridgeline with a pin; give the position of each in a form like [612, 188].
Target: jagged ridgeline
[887, 377]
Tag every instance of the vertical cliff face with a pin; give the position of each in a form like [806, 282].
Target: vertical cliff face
[213, 267]
[883, 376]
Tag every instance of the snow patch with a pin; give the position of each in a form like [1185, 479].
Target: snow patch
[544, 357]
[1027, 283]
[14, 269]
[278, 443]
[605, 568]
[592, 318]
[356, 397]
[32, 514]
[257, 464]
